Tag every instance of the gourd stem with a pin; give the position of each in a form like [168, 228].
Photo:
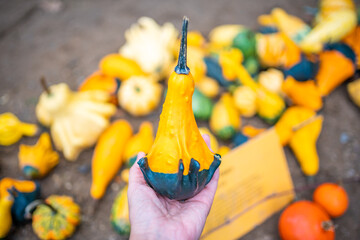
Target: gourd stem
[181, 67]
[44, 85]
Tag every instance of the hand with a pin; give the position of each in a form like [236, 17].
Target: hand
[156, 217]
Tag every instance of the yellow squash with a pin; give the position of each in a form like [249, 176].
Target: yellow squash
[36, 161]
[76, 119]
[225, 119]
[179, 164]
[117, 66]
[140, 142]
[108, 156]
[12, 129]
[303, 144]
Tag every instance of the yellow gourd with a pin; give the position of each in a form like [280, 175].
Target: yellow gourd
[6, 203]
[353, 89]
[36, 161]
[76, 119]
[139, 95]
[292, 117]
[303, 144]
[108, 156]
[245, 101]
[140, 142]
[305, 94]
[12, 129]
[209, 87]
[213, 142]
[225, 119]
[271, 79]
[118, 66]
[119, 217]
[179, 164]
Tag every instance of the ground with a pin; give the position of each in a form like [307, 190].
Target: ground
[66, 47]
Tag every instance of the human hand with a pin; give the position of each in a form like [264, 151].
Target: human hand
[153, 216]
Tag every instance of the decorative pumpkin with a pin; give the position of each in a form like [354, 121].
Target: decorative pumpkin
[333, 198]
[245, 101]
[213, 142]
[100, 81]
[305, 220]
[120, 213]
[22, 192]
[277, 50]
[139, 95]
[140, 142]
[271, 79]
[202, 106]
[225, 119]
[108, 156]
[36, 161]
[57, 218]
[149, 44]
[6, 203]
[332, 25]
[12, 129]
[337, 63]
[76, 119]
[305, 94]
[179, 164]
[353, 89]
[209, 87]
[303, 144]
[117, 66]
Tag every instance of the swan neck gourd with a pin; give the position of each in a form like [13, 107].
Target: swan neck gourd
[179, 164]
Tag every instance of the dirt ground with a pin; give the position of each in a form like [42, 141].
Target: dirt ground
[66, 47]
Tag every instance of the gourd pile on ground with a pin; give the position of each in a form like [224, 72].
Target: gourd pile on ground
[281, 73]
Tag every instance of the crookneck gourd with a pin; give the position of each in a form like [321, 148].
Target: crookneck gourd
[179, 164]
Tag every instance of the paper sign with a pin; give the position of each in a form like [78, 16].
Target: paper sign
[250, 175]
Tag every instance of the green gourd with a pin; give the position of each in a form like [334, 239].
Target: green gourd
[202, 106]
[120, 213]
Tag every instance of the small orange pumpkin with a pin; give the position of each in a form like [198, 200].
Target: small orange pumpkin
[305, 220]
[332, 197]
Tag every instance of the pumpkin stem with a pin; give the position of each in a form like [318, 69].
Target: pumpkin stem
[44, 85]
[181, 67]
[327, 225]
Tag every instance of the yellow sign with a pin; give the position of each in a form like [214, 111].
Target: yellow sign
[254, 184]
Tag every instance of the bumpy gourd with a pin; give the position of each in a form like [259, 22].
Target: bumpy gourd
[120, 213]
[140, 142]
[36, 161]
[12, 129]
[76, 119]
[57, 218]
[179, 164]
[108, 156]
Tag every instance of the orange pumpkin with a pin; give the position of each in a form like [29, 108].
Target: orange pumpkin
[305, 220]
[333, 198]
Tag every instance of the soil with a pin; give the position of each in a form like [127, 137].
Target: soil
[66, 46]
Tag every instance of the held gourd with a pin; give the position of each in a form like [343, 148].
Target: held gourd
[179, 164]
[108, 156]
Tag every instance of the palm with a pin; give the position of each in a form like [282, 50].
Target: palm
[156, 217]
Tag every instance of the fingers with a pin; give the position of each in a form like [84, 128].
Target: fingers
[136, 176]
[206, 138]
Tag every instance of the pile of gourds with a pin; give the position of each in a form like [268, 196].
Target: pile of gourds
[280, 73]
